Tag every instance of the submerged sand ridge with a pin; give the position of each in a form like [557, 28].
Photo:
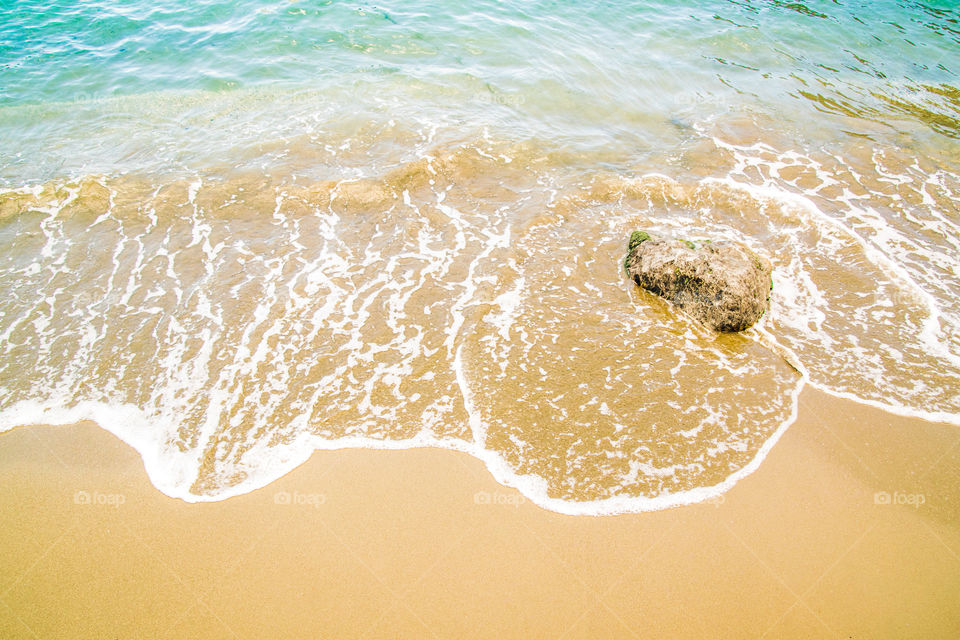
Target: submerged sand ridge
[227, 326]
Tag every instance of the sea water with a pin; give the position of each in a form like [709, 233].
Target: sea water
[237, 232]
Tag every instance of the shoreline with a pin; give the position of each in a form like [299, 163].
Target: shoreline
[491, 460]
[820, 541]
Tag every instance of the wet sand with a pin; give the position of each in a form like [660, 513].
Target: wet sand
[424, 543]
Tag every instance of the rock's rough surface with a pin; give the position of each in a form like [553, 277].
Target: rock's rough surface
[723, 284]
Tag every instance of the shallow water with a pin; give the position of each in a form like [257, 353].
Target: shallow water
[240, 232]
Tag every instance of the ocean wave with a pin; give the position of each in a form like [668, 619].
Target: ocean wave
[226, 324]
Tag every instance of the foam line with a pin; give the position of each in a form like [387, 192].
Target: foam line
[172, 477]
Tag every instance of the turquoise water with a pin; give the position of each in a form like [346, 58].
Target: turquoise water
[598, 76]
[235, 233]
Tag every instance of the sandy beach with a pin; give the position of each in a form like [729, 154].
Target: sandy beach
[850, 529]
[448, 319]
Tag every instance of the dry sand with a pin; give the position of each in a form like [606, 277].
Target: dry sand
[423, 543]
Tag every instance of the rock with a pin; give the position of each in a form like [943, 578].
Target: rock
[723, 284]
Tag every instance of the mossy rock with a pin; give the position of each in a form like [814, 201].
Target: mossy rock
[725, 285]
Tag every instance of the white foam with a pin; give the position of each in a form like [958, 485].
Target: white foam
[885, 249]
[173, 472]
[345, 308]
